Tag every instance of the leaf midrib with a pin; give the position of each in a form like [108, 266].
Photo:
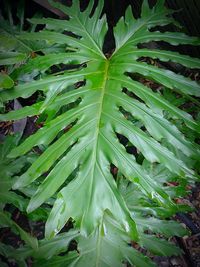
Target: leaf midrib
[94, 154]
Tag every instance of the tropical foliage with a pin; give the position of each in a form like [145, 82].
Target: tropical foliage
[108, 144]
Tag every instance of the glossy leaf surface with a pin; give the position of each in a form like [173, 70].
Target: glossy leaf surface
[92, 103]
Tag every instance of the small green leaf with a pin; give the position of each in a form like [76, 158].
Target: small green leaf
[29, 240]
[167, 228]
[159, 246]
[5, 81]
[9, 58]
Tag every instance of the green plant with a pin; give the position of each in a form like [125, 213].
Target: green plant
[93, 109]
[14, 51]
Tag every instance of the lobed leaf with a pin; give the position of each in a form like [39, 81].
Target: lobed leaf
[91, 111]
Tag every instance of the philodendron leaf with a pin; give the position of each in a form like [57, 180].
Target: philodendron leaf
[167, 228]
[108, 246]
[9, 168]
[5, 81]
[7, 222]
[45, 249]
[57, 261]
[159, 246]
[9, 58]
[89, 105]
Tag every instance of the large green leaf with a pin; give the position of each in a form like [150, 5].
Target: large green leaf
[84, 114]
